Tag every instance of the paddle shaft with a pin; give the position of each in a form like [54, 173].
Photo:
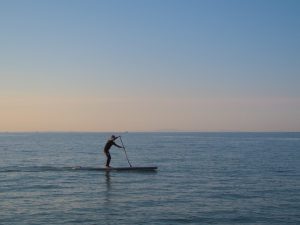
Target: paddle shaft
[125, 152]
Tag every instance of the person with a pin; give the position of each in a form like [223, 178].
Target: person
[107, 147]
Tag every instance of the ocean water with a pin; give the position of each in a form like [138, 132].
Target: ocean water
[202, 178]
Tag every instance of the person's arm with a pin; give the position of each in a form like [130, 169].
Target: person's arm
[117, 145]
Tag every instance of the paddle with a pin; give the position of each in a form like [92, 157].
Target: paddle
[125, 152]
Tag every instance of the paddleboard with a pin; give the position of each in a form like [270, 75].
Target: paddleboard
[149, 168]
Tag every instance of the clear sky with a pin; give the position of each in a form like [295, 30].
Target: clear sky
[150, 65]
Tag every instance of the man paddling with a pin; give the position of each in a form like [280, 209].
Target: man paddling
[107, 147]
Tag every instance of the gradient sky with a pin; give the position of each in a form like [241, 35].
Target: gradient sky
[150, 65]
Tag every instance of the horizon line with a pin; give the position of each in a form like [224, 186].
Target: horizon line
[156, 131]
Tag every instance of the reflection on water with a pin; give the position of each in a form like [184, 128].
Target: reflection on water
[108, 188]
[108, 180]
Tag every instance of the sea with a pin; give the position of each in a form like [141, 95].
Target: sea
[202, 178]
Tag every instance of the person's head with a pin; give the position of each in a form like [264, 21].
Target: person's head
[113, 137]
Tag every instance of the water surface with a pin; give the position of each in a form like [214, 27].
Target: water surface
[202, 178]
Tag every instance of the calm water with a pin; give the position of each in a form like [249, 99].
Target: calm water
[203, 178]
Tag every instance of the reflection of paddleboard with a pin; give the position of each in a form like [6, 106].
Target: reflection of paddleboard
[149, 168]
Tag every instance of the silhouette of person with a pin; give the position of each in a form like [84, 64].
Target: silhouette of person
[107, 147]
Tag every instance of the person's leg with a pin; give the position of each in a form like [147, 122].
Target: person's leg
[108, 159]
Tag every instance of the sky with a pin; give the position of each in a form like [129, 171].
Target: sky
[149, 65]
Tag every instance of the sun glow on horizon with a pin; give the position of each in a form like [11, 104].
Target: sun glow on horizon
[32, 113]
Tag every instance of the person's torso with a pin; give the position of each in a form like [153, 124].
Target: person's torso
[108, 145]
